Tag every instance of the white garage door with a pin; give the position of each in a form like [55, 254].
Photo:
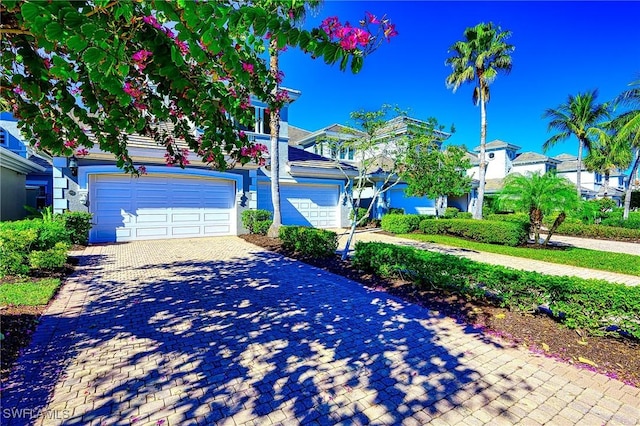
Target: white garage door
[411, 205]
[150, 207]
[306, 205]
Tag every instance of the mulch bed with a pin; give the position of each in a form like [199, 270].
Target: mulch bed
[615, 357]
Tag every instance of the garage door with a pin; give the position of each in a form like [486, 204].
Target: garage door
[151, 207]
[306, 205]
[411, 205]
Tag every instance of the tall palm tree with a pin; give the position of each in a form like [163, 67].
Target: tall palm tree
[608, 153]
[479, 59]
[628, 130]
[538, 195]
[296, 11]
[579, 116]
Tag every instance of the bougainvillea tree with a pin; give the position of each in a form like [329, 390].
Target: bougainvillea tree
[85, 73]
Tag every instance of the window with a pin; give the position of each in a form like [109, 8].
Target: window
[346, 153]
[2, 137]
[41, 198]
[598, 178]
[317, 149]
[491, 155]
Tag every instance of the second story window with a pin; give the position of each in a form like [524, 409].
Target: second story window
[3, 139]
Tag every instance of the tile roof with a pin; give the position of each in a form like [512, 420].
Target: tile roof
[300, 157]
[497, 144]
[533, 157]
[296, 134]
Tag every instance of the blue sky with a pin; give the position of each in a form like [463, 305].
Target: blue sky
[562, 48]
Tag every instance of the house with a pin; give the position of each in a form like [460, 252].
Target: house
[503, 159]
[326, 142]
[13, 188]
[172, 202]
[34, 186]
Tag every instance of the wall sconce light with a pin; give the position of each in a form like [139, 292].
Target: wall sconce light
[73, 165]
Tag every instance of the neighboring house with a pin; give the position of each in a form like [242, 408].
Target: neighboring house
[503, 159]
[171, 202]
[38, 182]
[13, 189]
[323, 142]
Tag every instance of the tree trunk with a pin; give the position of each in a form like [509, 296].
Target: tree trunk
[579, 168]
[627, 197]
[556, 223]
[535, 218]
[605, 190]
[274, 122]
[477, 214]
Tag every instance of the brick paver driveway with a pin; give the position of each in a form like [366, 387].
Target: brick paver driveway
[216, 331]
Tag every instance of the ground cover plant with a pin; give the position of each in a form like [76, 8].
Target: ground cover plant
[614, 355]
[593, 259]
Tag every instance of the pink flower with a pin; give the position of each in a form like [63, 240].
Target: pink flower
[169, 33]
[390, 31]
[248, 67]
[19, 90]
[291, 14]
[132, 91]
[71, 143]
[349, 42]
[76, 91]
[362, 37]
[330, 25]
[242, 134]
[47, 63]
[142, 170]
[371, 18]
[141, 55]
[182, 46]
[82, 152]
[151, 20]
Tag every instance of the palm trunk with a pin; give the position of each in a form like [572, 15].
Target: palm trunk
[274, 122]
[477, 214]
[579, 166]
[556, 223]
[535, 218]
[605, 189]
[627, 197]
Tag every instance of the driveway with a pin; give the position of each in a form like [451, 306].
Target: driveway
[217, 331]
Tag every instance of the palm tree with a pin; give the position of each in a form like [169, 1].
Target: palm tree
[538, 195]
[579, 116]
[296, 14]
[479, 59]
[608, 153]
[628, 129]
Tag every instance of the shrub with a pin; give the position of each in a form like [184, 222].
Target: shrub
[15, 246]
[254, 221]
[311, 242]
[48, 233]
[485, 231]
[599, 231]
[511, 217]
[362, 212]
[395, 210]
[401, 223]
[49, 259]
[464, 215]
[78, 224]
[594, 305]
[451, 213]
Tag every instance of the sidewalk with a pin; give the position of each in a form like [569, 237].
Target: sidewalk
[509, 261]
[601, 245]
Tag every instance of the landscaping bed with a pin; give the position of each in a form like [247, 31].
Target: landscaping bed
[616, 357]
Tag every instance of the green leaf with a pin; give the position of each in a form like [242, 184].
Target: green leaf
[31, 11]
[88, 29]
[77, 43]
[93, 55]
[330, 52]
[176, 56]
[356, 64]
[54, 32]
[73, 19]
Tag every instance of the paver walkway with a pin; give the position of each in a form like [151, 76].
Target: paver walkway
[217, 331]
[499, 259]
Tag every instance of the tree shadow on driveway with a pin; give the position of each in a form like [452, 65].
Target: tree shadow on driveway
[258, 337]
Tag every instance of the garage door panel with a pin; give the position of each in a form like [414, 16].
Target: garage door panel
[127, 209]
[303, 204]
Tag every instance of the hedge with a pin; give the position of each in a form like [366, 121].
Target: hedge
[78, 224]
[401, 223]
[600, 307]
[311, 242]
[511, 217]
[257, 221]
[599, 231]
[484, 231]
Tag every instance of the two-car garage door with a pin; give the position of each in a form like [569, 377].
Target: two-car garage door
[303, 204]
[150, 207]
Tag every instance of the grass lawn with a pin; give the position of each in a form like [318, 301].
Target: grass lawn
[28, 293]
[605, 261]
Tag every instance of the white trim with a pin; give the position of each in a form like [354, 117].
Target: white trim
[85, 171]
[13, 161]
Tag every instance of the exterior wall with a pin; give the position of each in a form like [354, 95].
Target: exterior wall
[498, 166]
[525, 169]
[587, 179]
[13, 196]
